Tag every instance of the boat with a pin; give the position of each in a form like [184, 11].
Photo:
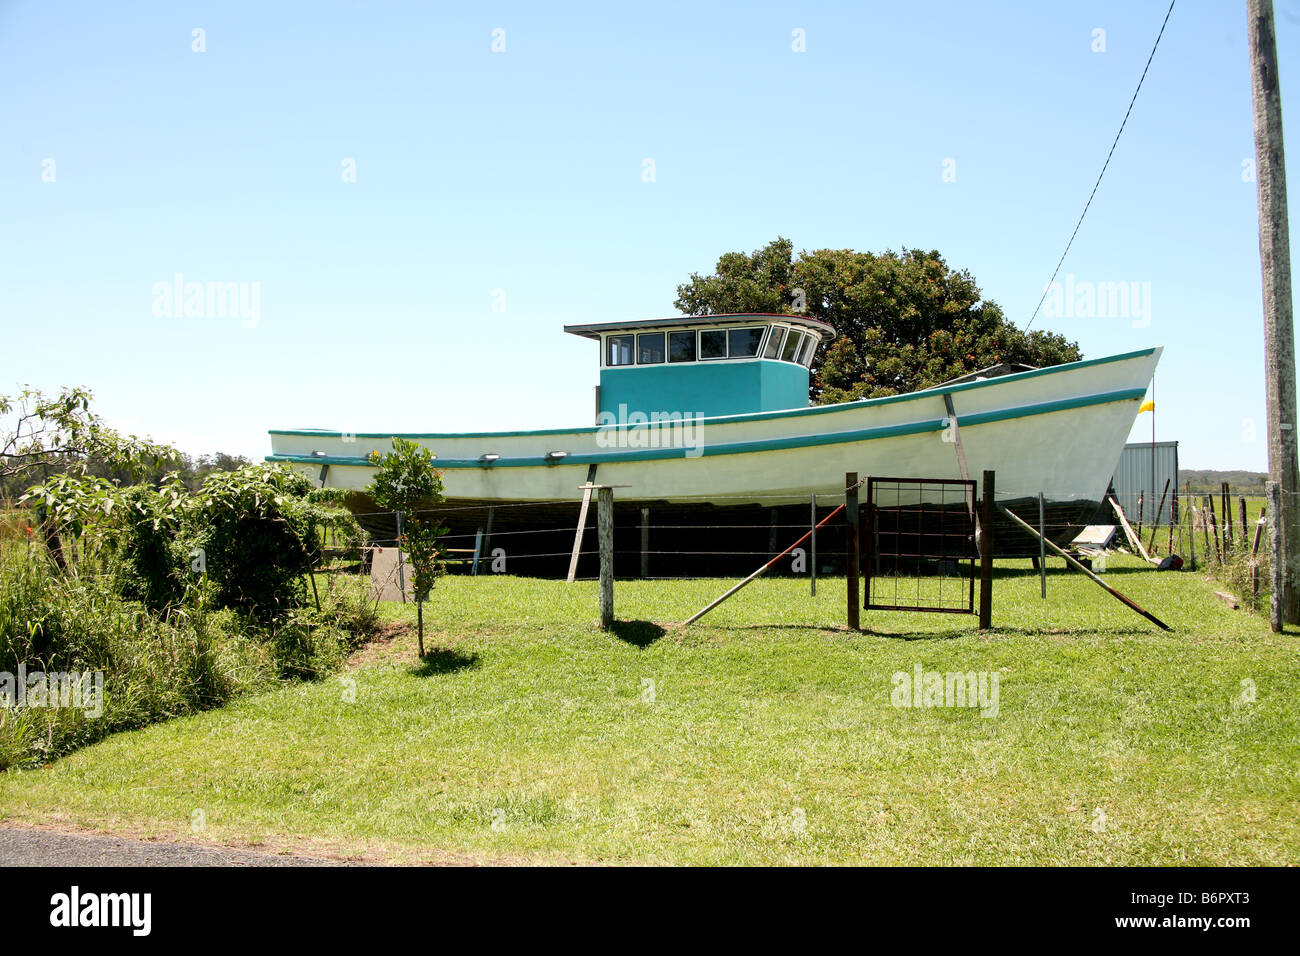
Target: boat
[707, 419]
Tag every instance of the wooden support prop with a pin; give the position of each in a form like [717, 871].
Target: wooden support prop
[1277, 569]
[1191, 521]
[1042, 548]
[1079, 567]
[582, 523]
[605, 531]
[1142, 507]
[986, 552]
[1134, 541]
[852, 573]
[645, 542]
[1155, 525]
[710, 606]
[961, 456]
[1241, 514]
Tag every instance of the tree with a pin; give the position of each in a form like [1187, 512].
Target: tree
[905, 320]
[41, 434]
[406, 482]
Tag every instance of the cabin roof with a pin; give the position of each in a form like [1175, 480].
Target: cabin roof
[594, 330]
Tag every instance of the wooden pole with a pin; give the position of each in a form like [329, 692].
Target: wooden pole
[1191, 520]
[1254, 556]
[852, 572]
[732, 590]
[1042, 548]
[605, 531]
[1241, 513]
[986, 553]
[1275, 269]
[1277, 575]
[645, 542]
[1142, 507]
[1226, 494]
[1079, 567]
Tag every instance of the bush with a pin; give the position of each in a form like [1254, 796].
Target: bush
[259, 536]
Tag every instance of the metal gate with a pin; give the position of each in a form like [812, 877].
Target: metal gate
[920, 545]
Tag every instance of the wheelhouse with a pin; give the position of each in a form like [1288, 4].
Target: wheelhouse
[706, 365]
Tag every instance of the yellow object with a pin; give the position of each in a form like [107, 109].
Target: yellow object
[1147, 406]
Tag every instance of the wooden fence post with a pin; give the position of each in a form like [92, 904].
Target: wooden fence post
[986, 553]
[851, 570]
[605, 531]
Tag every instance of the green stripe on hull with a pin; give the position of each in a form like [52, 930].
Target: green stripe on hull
[762, 444]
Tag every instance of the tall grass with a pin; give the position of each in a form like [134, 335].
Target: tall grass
[154, 666]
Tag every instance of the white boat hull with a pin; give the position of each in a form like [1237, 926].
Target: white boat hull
[1059, 431]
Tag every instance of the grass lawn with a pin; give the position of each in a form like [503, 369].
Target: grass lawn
[766, 734]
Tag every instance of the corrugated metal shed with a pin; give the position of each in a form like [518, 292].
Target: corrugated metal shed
[1133, 477]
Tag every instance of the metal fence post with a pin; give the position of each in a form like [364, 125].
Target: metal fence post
[986, 553]
[851, 570]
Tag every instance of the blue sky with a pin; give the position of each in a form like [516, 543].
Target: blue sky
[515, 179]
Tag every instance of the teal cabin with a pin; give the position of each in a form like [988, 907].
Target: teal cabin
[704, 365]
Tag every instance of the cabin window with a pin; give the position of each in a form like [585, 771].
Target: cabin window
[649, 348]
[681, 346]
[809, 350]
[713, 344]
[743, 343]
[791, 347]
[774, 342]
[619, 350]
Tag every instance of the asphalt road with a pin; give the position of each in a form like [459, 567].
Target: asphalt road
[27, 846]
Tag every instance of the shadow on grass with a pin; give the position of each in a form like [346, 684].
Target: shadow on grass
[443, 660]
[637, 633]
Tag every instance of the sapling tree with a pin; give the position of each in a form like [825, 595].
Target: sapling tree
[406, 481]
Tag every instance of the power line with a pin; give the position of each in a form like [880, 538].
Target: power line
[1060, 261]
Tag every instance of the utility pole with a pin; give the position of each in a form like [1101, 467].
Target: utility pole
[1275, 265]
